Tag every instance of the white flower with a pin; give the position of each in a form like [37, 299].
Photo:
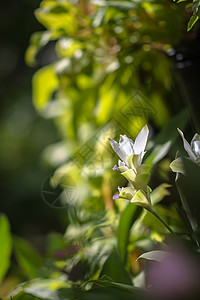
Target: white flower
[193, 149]
[126, 147]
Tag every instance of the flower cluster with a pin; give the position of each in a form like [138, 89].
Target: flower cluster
[192, 149]
[131, 167]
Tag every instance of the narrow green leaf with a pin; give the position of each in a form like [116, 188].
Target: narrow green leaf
[192, 21]
[105, 282]
[127, 219]
[159, 193]
[5, 246]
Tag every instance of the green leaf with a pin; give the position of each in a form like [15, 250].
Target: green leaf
[109, 293]
[156, 255]
[192, 21]
[5, 246]
[195, 6]
[45, 82]
[27, 257]
[159, 193]
[188, 188]
[38, 40]
[104, 281]
[128, 217]
[114, 269]
[177, 165]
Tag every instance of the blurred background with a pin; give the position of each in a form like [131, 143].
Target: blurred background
[23, 134]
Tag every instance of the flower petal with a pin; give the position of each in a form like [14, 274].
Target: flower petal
[195, 144]
[126, 144]
[121, 163]
[120, 152]
[187, 146]
[141, 140]
[115, 168]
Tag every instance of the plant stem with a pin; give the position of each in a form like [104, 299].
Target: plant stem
[155, 213]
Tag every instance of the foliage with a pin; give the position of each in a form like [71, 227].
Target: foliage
[195, 12]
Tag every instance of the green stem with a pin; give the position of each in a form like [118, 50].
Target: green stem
[155, 213]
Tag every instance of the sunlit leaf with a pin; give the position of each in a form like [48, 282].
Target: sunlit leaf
[45, 82]
[192, 21]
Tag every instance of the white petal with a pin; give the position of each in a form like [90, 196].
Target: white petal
[121, 163]
[187, 146]
[120, 189]
[126, 144]
[195, 144]
[141, 140]
[120, 152]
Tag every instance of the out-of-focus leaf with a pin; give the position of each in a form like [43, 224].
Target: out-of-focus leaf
[5, 246]
[45, 82]
[98, 19]
[158, 153]
[38, 40]
[122, 5]
[57, 16]
[153, 255]
[27, 257]
[46, 289]
[159, 193]
[168, 133]
[127, 219]
[195, 7]
[115, 269]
